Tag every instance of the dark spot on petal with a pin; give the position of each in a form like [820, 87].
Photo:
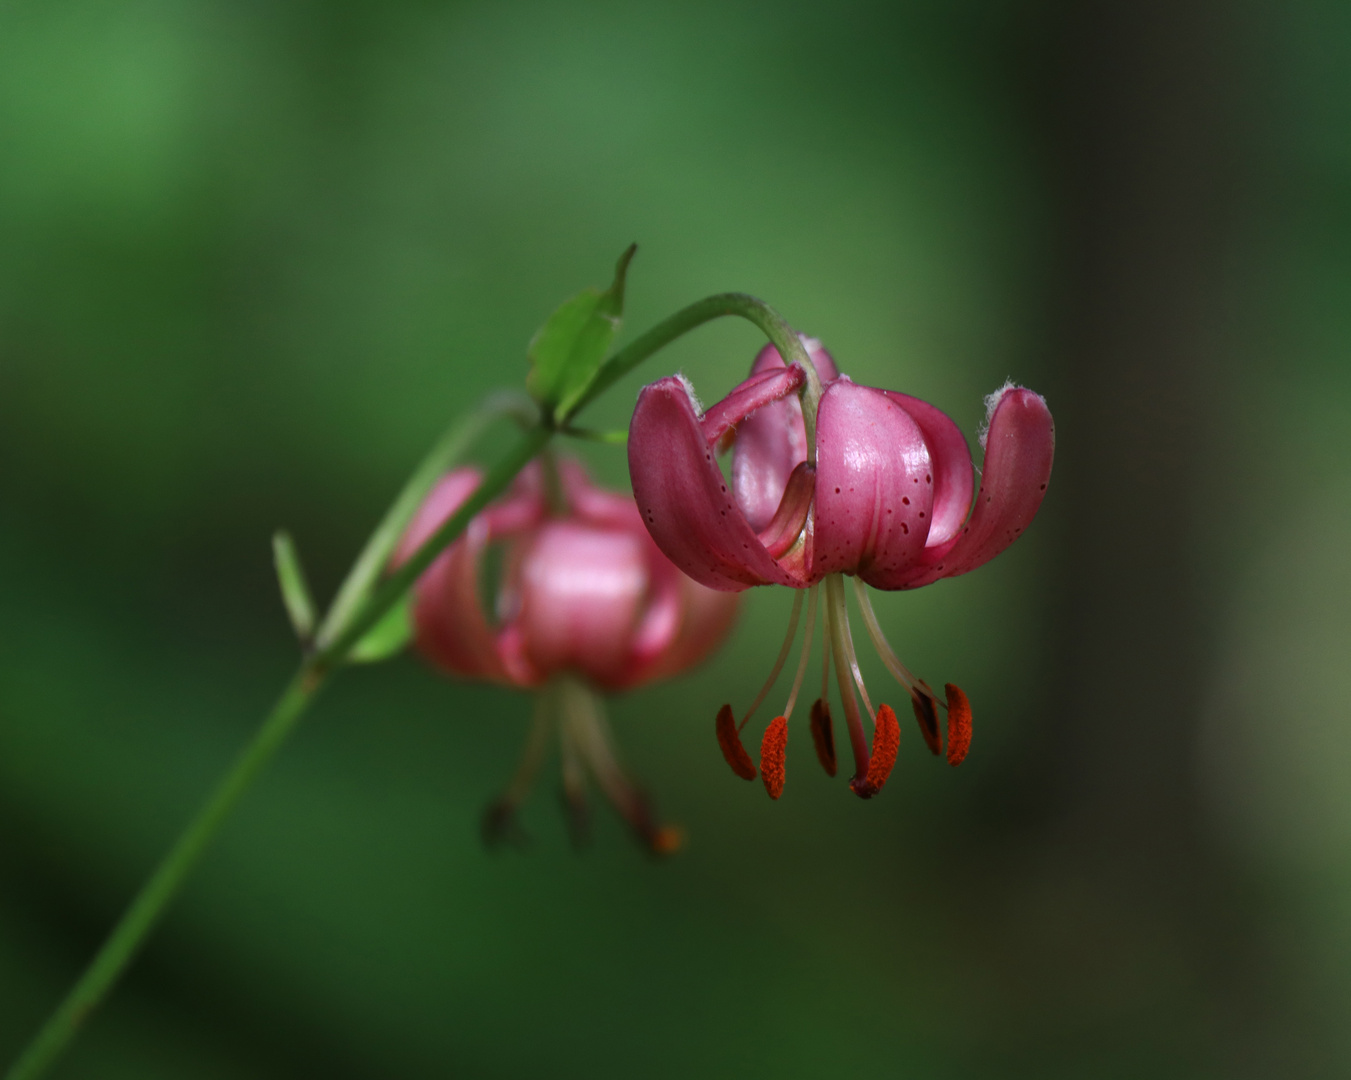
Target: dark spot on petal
[905, 499]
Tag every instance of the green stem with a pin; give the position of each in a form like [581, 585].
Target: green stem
[775, 327]
[554, 494]
[154, 897]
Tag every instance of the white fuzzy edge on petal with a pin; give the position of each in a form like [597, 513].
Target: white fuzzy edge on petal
[991, 403]
[694, 398]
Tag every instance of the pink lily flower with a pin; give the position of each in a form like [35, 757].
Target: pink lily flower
[884, 497]
[585, 601]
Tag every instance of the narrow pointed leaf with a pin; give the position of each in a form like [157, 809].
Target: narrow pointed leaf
[295, 593]
[568, 350]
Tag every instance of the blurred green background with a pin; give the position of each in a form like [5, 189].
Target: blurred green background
[254, 257]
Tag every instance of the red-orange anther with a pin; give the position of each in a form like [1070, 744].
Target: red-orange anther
[730, 741]
[823, 736]
[886, 743]
[926, 712]
[959, 724]
[771, 756]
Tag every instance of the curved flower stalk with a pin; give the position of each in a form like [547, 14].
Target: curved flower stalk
[883, 495]
[585, 601]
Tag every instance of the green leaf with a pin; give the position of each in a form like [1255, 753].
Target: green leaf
[568, 350]
[388, 636]
[295, 593]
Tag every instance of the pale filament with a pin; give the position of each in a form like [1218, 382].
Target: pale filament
[806, 653]
[536, 746]
[858, 742]
[841, 613]
[889, 658]
[778, 663]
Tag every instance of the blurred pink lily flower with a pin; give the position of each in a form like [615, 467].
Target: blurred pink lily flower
[584, 601]
[888, 502]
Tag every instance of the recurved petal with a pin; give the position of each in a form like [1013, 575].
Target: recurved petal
[448, 621]
[450, 627]
[771, 442]
[684, 622]
[953, 474]
[683, 498]
[596, 505]
[788, 522]
[874, 484]
[1019, 448]
[768, 358]
[746, 398]
[442, 501]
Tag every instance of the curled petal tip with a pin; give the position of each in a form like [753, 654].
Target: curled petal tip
[959, 724]
[729, 739]
[684, 499]
[772, 752]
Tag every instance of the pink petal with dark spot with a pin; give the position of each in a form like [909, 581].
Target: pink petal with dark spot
[874, 485]
[953, 474]
[683, 498]
[1019, 450]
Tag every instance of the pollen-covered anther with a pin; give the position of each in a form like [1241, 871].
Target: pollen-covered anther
[772, 750]
[823, 736]
[959, 724]
[926, 712]
[886, 744]
[730, 741]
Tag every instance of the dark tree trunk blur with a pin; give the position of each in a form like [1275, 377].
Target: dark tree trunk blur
[1143, 107]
